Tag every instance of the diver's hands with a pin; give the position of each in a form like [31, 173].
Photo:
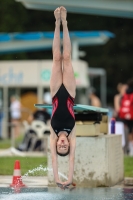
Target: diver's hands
[63, 185]
[67, 183]
[59, 184]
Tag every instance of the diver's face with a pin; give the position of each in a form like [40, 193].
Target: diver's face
[62, 145]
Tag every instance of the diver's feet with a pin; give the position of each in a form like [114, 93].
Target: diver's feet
[63, 12]
[57, 15]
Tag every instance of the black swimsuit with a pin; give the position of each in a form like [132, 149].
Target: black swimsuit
[63, 118]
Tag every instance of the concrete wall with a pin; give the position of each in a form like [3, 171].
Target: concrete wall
[98, 162]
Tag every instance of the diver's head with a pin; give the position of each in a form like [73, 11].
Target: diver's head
[63, 145]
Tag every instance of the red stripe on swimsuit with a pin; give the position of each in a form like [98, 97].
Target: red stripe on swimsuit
[55, 105]
[70, 107]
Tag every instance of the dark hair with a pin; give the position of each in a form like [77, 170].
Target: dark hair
[63, 154]
[92, 90]
[130, 83]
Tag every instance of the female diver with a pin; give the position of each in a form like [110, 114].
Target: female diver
[63, 91]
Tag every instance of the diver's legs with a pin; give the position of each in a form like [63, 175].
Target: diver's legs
[68, 74]
[56, 75]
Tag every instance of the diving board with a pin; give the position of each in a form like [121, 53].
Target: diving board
[77, 107]
[90, 120]
[38, 41]
[117, 8]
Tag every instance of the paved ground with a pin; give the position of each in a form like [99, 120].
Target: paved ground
[36, 181]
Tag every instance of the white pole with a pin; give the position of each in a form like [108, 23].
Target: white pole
[75, 50]
[5, 112]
